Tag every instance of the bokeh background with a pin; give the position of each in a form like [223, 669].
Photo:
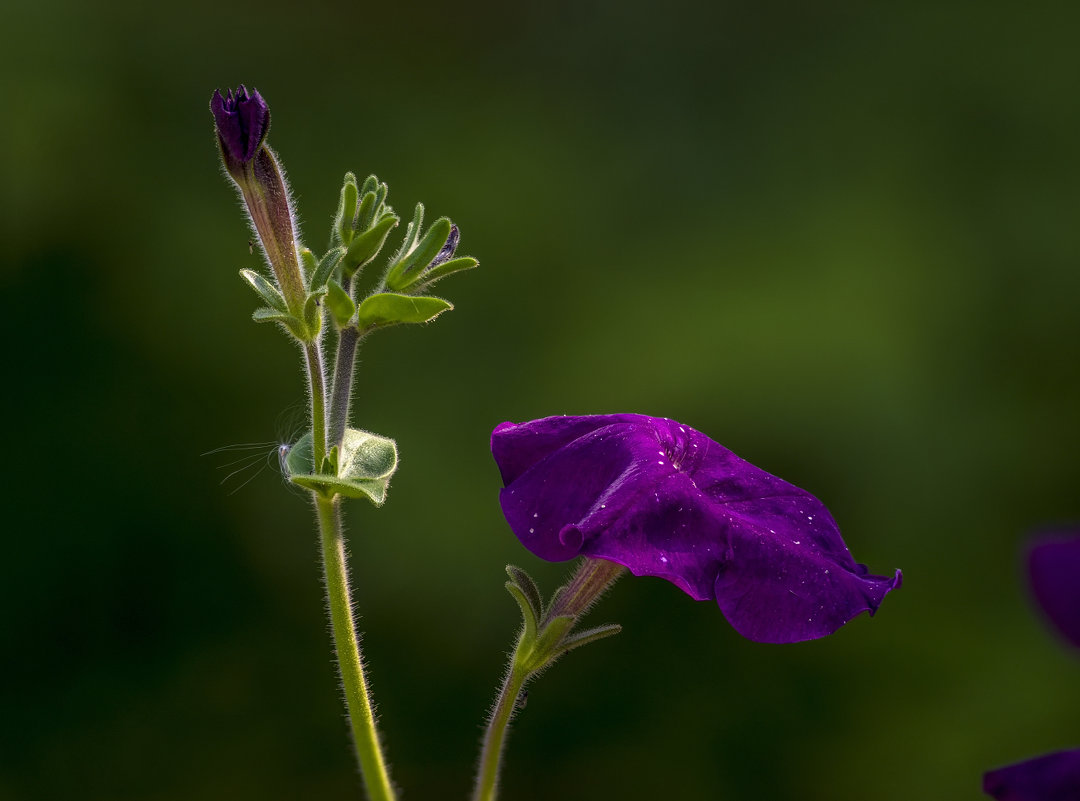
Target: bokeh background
[840, 239]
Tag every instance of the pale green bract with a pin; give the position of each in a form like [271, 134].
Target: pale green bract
[365, 465]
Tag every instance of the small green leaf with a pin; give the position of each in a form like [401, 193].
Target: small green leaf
[326, 267]
[267, 291]
[387, 308]
[346, 211]
[367, 245]
[366, 211]
[371, 183]
[528, 586]
[408, 268]
[340, 304]
[381, 191]
[446, 268]
[295, 326]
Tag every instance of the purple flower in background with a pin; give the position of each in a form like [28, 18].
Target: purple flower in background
[1054, 777]
[242, 123]
[1054, 570]
[665, 500]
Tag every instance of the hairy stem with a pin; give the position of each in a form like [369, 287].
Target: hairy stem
[343, 378]
[317, 387]
[487, 778]
[347, 645]
[591, 579]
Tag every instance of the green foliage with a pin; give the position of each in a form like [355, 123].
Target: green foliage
[339, 303]
[388, 308]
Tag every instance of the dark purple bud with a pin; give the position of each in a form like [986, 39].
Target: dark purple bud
[448, 249]
[1054, 777]
[1054, 570]
[242, 122]
[665, 500]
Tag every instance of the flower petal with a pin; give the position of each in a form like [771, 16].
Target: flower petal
[664, 500]
[1054, 777]
[1054, 570]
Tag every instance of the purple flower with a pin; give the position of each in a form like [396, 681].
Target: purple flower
[242, 123]
[1054, 777]
[1054, 570]
[665, 500]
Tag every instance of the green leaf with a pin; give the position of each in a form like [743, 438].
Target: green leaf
[528, 586]
[366, 462]
[446, 268]
[295, 326]
[367, 245]
[366, 212]
[346, 211]
[267, 291]
[326, 268]
[371, 183]
[408, 268]
[381, 191]
[387, 308]
[340, 304]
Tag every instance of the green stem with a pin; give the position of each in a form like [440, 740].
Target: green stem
[487, 778]
[347, 645]
[317, 386]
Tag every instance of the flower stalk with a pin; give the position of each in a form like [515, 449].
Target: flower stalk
[366, 741]
[543, 639]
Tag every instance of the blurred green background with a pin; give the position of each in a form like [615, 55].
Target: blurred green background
[840, 239]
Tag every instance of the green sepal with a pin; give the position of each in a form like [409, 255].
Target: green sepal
[528, 614]
[445, 269]
[408, 269]
[364, 247]
[312, 313]
[267, 291]
[295, 326]
[326, 268]
[548, 640]
[529, 588]
[340, 304]
[309, 263]
[587, 636]
[387, 308]
[346, 211]
[365, 464]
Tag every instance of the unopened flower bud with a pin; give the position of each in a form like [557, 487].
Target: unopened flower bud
[242, 120]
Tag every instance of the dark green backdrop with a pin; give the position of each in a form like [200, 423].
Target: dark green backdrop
[840, 240]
